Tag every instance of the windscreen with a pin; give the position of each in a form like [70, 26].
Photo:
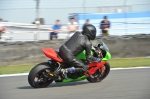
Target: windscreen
[102, 45]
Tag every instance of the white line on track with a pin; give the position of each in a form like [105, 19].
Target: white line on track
[9, 75]
[23, 74]
[129, 68]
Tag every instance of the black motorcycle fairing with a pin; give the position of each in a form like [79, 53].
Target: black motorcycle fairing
[76, 74]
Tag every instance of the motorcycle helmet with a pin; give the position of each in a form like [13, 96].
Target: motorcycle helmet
[90, 31]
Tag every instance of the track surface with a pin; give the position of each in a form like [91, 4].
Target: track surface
[120, 84]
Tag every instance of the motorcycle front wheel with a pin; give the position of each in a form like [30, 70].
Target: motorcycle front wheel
[100, 74]
[39, 77]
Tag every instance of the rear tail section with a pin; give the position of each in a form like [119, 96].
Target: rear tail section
[51, 53]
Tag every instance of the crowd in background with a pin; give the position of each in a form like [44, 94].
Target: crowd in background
[2, 28]
[73, 26]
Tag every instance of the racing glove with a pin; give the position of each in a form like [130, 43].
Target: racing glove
[98, 59]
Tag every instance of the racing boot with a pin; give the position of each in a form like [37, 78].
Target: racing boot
[66, 71]
[72, 70]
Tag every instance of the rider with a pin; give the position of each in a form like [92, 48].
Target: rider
[76, 44]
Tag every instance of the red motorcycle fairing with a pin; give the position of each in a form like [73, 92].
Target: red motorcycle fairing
[51, 53]
[96, 67]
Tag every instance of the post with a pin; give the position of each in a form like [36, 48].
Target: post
[37, 19]
[84, 9]
[125, 17]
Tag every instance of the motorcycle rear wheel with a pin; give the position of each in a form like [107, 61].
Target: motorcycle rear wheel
[38, 76]
[99, 75]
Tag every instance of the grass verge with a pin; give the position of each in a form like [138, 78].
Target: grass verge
[114, 63]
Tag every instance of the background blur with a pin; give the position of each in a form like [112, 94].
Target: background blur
[130, 23]
[24, 11]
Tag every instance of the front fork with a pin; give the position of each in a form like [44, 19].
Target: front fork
[96, 67]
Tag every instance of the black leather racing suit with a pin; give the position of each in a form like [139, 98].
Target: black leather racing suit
[75, 45]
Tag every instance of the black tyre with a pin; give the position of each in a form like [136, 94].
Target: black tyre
[100, 74]
[39, 77]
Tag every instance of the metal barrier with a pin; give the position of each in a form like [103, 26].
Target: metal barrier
[43, 33]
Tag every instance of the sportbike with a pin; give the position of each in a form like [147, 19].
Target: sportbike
[42, 74]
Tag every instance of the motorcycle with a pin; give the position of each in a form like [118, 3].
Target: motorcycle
[42, 75]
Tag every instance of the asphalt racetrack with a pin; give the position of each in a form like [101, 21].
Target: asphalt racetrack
[120, 84]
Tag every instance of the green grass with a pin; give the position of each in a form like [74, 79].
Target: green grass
[129, 62]
[15, 69]
[114, 63]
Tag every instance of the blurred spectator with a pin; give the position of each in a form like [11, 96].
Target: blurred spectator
[86, 22]
[104, 26]
[56, 29]
[72, 26]
[2, 28]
